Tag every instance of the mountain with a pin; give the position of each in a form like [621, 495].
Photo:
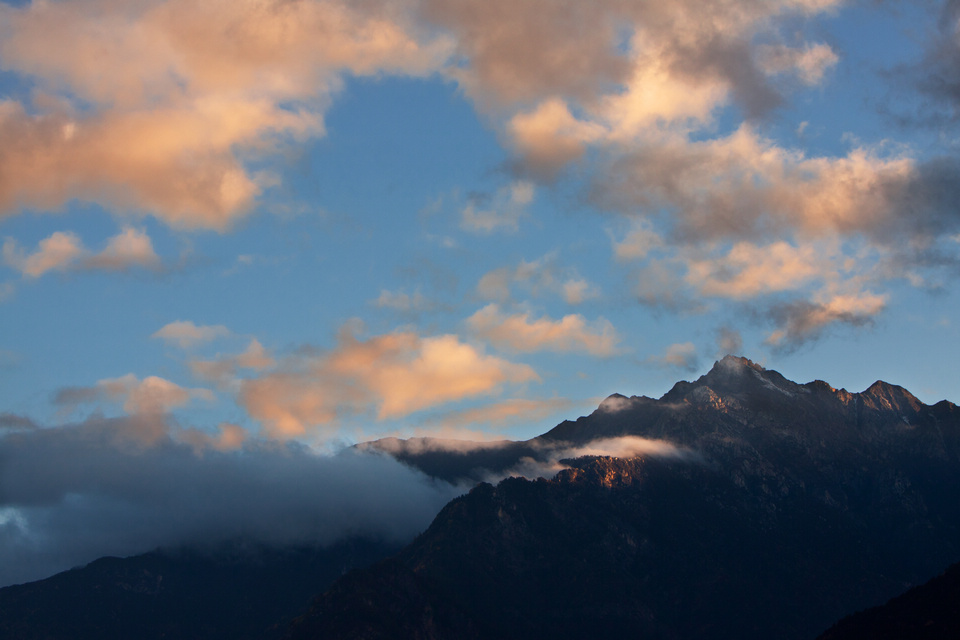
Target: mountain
[763, 508]
[740, 505]
[232, 592]
[928, 612]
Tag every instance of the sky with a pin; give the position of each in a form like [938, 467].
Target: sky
[239, 235]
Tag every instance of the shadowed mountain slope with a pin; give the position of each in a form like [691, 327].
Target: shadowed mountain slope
[796, 505]
[928, 612]
[229, 593]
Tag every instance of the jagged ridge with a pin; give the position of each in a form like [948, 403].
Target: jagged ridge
[808, 502]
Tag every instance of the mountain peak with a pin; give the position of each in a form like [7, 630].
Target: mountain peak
[734, 364]
[883, 395]
[733, 376]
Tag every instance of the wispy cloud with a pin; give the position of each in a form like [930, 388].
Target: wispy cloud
[186, 334]
[64, 251]
[223, 370]
[682, 355]
[503, 211]
[454, 424]
[535, 278]
[149, 396]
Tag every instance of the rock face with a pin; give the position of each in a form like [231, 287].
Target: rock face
[799, 504]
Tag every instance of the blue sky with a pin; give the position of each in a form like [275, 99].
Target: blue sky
[575, 209]
[230, 225]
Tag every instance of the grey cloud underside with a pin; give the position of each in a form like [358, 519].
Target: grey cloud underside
[16, 422]
[120, 486]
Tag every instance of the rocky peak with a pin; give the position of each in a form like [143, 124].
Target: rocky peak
[731, 377]
[890, 397]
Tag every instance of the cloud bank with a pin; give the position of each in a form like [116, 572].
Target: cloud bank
[121, 486]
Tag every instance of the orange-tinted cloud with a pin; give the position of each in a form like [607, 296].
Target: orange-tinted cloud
[454, 424]
[193, 89]
[150, 396]
[393, 374]
[64, 251]
[519, 333]
[748, 270]
[59, 252]
[223, 371]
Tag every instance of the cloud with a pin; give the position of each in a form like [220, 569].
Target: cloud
[628, 447]
[185, 334]
[14, 422]
[809, 62]
[729, 342]
[59, 252]
[404, 302]
[744, 186]
[169, 130]
[934, 78]
[507, 412]
[395, 374]
[549, 137]
[152, 395]
[130, 247]
[804, 321]
[516, 53]
[639, 241]
[73, 493]
[748, 270]
[659, 285]
[577, 290]
[682, 355]
[223, 371]
[64, 251]
[503, 213]
[417, 446]
[536, 278]
[229, 437]
[518, 333]
[550, 456]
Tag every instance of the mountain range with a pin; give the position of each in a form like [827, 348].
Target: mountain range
[740, 505]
